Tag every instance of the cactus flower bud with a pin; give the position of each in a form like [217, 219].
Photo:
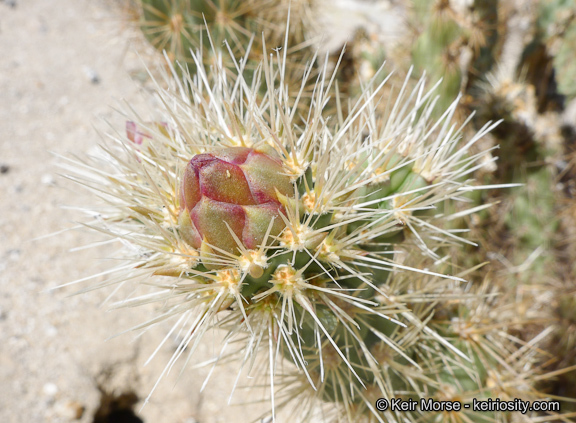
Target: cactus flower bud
[233, 189]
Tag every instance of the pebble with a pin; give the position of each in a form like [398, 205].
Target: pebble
[50, 389]
[47, 179]
[10, 3]
[13, 254]
[51, 331]
[92, 75]
[71, 410]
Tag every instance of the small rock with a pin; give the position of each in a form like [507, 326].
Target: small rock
[10, 3]
[13, 254]
[71, 410]
[4, 168]
[50, 389]
[51, 331]
[47, 179]
[92, 75]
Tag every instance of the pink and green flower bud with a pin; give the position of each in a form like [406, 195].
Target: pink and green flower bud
[234, 190]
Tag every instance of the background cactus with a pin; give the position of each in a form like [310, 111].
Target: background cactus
[214, 27]
[183, 25]
[557, 30]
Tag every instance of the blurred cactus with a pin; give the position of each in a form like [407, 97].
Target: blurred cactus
[450, 40]
[181, 27]
[557, 27]
[438, 46]
[178, 26]
[167, 25]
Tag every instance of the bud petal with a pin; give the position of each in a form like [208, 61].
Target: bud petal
[257, 221]
[266, 175]
[235, 155]
[225, 182]
[188, 230]
[135, 134]
[211, 217]
[190, 189]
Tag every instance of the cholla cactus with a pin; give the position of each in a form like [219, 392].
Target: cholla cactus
[557, 28]
[452, 40]
[320, 241]
[214, 26]
[178, 26]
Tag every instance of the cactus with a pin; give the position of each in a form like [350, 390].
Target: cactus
[327, 243]
[556, 26]
[320, 244]
[452, 41]
[181, 27]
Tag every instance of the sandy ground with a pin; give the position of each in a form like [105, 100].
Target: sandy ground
[63, 63]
